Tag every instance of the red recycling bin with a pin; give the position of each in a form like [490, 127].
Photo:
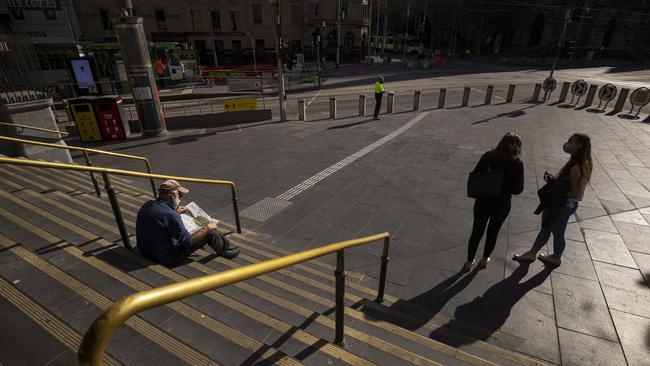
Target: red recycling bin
[111, 118]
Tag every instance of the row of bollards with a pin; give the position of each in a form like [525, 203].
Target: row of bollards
[417, 97]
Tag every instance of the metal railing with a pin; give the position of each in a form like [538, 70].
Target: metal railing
[34, 128]
[97, 337]
[87, 158]
[112, 196]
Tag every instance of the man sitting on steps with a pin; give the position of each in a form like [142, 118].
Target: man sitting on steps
[162, 237]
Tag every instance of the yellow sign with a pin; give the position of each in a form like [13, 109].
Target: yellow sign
[84, 118]
[234, 105]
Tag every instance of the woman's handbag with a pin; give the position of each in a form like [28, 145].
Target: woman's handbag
[485, 184]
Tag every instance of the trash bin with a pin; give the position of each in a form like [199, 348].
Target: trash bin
[83, 114]
[111, 118]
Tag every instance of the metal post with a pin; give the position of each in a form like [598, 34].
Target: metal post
[338, 33]
[488, 94]
[564, 92]
[362, 105]
[535, 98]
[567, 17]
[406, 32]
[466, 96]
[301, 110]
[339, 274]
[112, 197]
[333, 107]
[92, 175]
[416, 100]
[377, 36]
[235, 207]
[369, 28]
[441, 98]
[590, 95]
[383, 39]
[318, 38]
[382, 273]
[277, 29]
[390, 104]
[511, 93]
[620, 102]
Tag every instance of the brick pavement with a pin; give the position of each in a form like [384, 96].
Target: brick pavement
[591, 310]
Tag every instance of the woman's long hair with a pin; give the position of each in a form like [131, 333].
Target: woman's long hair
[509, 148]
[582, 158]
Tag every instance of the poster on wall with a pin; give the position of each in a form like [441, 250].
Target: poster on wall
[84, 78]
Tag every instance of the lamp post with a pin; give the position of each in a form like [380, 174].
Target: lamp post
[406, 32]
[338, 32]
[369, 26]
[277, 29]
[567, 17]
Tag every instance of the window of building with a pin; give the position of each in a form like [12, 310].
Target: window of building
[161, 20]
[259, 44]
[344, 9]
[17, 14]
[106, 21]
[257, 13]
[296, 45]
[314, 9]
[196, 20]
[295, 14]
[216, 21]
[234, 20]
[50, 14]
[236, 45]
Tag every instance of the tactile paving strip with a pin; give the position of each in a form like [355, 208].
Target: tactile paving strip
[265, 209]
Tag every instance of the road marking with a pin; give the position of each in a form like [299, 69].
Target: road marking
[186, 91]
[493, 95]
[311, 181]
[312, 99]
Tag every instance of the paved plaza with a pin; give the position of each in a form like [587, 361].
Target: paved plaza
[406, 174]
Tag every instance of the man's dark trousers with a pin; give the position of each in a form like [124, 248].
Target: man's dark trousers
[378, 97]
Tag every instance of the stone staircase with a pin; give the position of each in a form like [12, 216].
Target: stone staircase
[62, 264]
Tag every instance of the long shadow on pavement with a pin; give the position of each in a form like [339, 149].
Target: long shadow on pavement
[512, 114]
[347, 125]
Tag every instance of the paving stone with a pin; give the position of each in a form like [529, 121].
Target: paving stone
[625, 289]
[581, 307]
[609, 248]
[643, 260]
[582, 349]
[577, 262]
[635, 236]
[613, 207]
[603, 223]
[635, 336]
[631, 217]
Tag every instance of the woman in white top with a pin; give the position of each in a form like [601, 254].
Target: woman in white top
[577, 173]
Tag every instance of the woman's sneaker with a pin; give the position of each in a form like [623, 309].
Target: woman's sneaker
[550, 259]
[529, 257]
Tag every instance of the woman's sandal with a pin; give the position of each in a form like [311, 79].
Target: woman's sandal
[467, 267]
[526, 257]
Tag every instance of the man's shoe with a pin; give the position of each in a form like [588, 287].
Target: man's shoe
[231, 252]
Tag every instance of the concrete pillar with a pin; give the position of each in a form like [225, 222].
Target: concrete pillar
[511, 93]
[333, 107]
[416, 100]
[362, 105]
[302, 112]
[488, 94]
[466, 96]
[538, 88]
[590, 95]
[36, 113]
[564, 92]
[441, 98]
[390, 103]
[622, 98]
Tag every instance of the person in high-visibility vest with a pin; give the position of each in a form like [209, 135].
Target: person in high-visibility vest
[379, 94]
[160, 71]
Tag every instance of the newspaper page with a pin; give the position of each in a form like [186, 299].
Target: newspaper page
[195, 217]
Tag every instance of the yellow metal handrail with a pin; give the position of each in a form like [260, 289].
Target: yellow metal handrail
[111, 191]
[97, 337]
[87, 157]
[35, 128]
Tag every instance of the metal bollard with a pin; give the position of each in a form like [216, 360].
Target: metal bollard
[301, 110]
[416, 100]
[466, 96]
[564, 92]
[390, 103]
[590, 95]
[362, 105]
[333, 107]
[511, 93]
[538, 88]
[488, 94]
[620, 102]
[441, 98]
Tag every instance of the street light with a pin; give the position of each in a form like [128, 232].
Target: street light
[567, 17]
[277, 29]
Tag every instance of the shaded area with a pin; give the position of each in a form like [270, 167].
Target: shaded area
[347, 125]
[513, 114]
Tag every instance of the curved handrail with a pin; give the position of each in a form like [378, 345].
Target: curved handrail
[97, 337]
[35, 128]
[129, 173]
[86, 151]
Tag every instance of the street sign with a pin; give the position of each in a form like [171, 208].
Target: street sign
[549, 84]
[235, 105]
[607, 92]
[640, 97]
[579, 88]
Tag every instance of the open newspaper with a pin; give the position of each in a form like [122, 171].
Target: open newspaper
[195, 217]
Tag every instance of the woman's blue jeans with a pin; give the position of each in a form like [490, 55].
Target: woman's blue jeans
[557, 228]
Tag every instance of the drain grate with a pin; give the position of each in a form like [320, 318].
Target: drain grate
[265, 209]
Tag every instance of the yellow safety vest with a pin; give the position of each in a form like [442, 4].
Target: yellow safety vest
[379, 88]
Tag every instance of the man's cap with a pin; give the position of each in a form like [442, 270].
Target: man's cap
[381, 79]
[172, 185]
